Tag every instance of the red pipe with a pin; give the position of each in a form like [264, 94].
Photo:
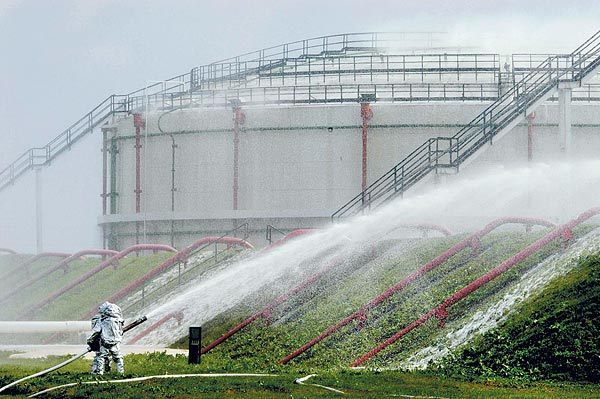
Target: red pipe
[267, 311]
[441, 310]
[289, 236]
[173, 315]
[8, 251]
[34, 259]
[111, 261]
[138, 123]
[179, 257]
[361, 314]
[366, 113]
[530, 119]
[62, 265]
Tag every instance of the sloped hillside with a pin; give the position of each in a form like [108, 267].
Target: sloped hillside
[553, 335]
[263, 345]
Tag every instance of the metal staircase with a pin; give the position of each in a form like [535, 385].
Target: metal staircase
[40, 156]
[447, 154]
[181, 90]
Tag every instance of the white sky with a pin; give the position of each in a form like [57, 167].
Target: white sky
[60, 58]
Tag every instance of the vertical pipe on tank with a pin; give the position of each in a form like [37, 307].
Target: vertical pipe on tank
[38, 211]
[366, 113]
[138, 123]
[530, 119]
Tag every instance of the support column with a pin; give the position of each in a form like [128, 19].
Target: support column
[564, 119]
[366, 113]
[138, 123]
[38, 211]
[104, 171]
[530, 119]
[173, 189]
[239, 118]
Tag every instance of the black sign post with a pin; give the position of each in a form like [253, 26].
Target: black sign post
[195, 338]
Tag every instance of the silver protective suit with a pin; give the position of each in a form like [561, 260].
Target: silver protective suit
[93, 342]
[111, 334]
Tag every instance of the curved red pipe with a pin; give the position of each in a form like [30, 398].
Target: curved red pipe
[8, 251]
[111, 261]
[65, 262]
[179, 257]
[425, 226]
[34, 259]
[472, 240]
[178, 315]
[289, 236]
[62, 265]
[441, 310]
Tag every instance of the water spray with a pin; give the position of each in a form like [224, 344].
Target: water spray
[128, 327]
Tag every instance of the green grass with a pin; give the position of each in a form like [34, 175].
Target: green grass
[355, 383]
[554, 335]
[260, 346]
[561, 321]
[13, 276]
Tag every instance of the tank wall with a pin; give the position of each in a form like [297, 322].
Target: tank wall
[303, 161]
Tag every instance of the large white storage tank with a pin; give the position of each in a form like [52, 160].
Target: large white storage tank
[281, 137]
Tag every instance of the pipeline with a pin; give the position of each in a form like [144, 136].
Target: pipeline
[181, 256]
[34, 259]
[31, 327]
[441, 312]
[267, 311]
[62, 265]
[128, 327]
[289, 236]
[178, 315]
[8, 251]
[113, 260]
[473, 241]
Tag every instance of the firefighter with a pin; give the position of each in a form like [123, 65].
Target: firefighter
[111, 334]
[93, 342]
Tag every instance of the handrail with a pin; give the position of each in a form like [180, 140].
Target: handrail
[41, 156]
[181, 256]
[348, 67]
[323, 94]
[323, 45]
[180, 86]
[450, 152]
[289, 236]
[472, 241]
[62, 265]
[111, 261]
[35, 259]
[441, 310]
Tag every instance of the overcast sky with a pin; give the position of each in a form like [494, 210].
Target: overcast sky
[58, 59]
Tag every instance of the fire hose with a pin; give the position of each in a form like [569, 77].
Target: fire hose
[128, 327]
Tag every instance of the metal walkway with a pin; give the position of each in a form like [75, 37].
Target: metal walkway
[449, 153]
